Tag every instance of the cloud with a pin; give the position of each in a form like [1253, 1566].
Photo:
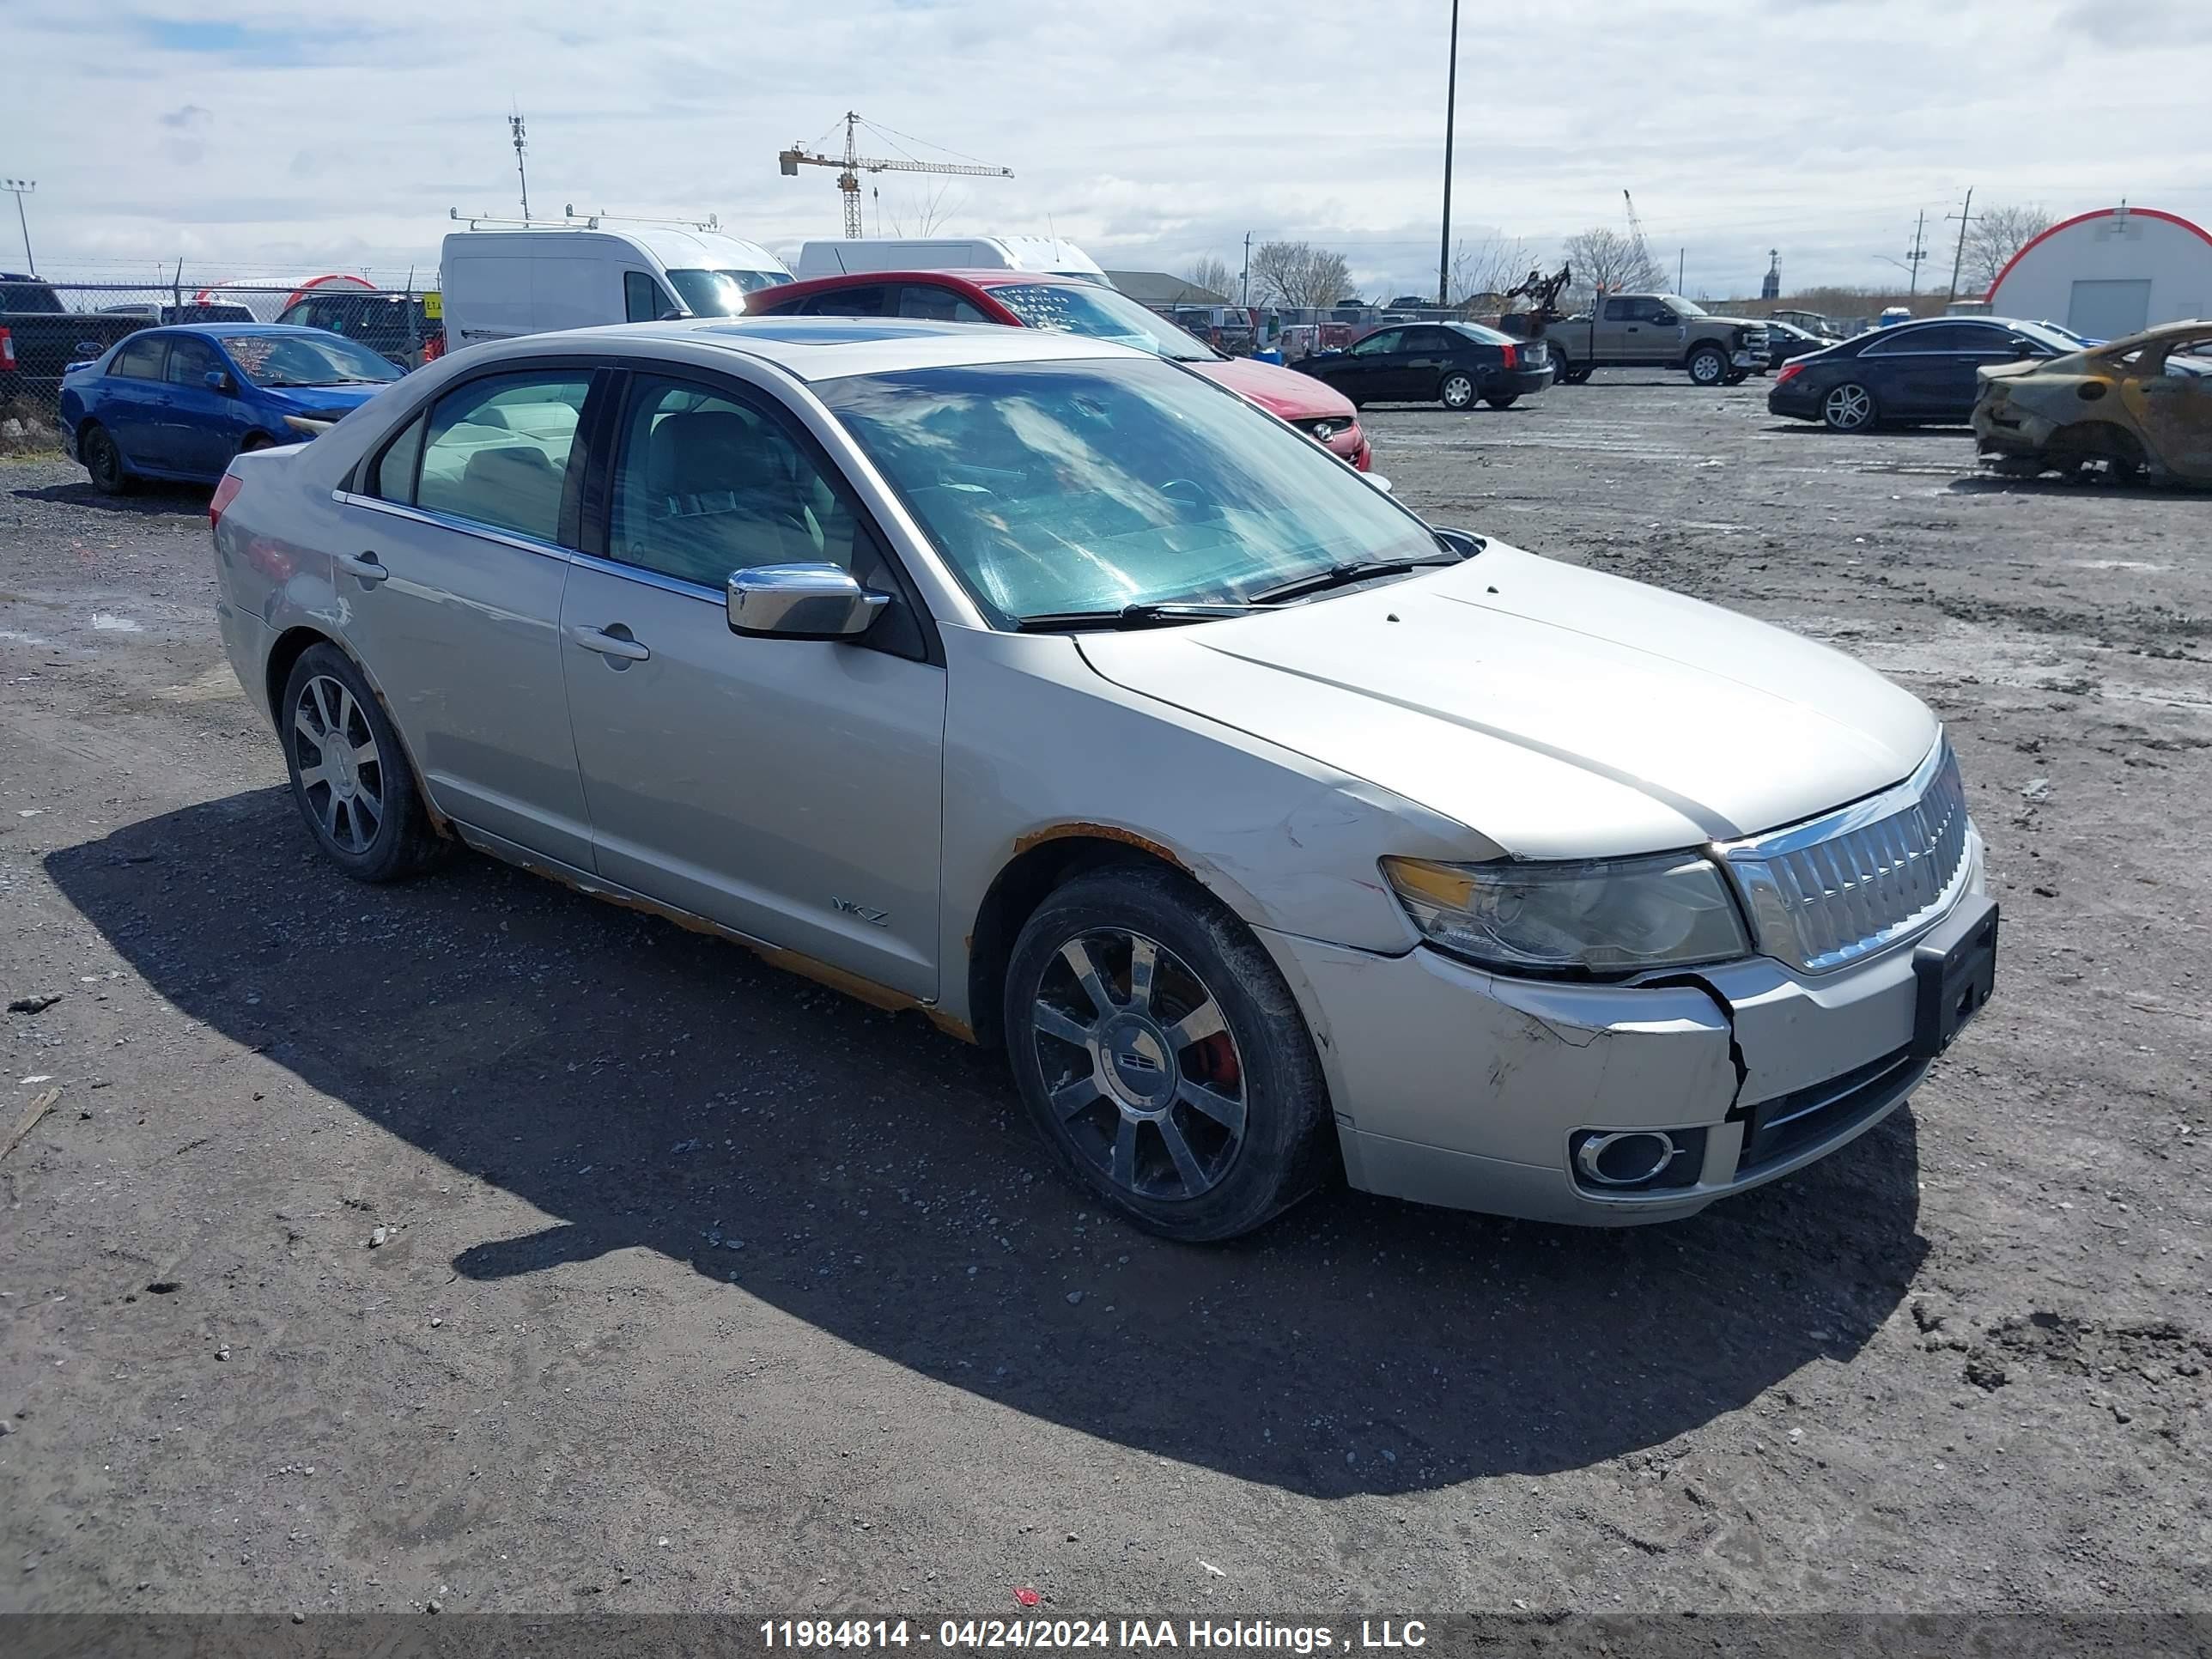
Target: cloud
[1153, 132]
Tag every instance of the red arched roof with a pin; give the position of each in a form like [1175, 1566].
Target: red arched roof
[2083, 219]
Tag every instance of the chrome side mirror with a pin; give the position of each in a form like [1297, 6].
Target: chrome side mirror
[800, 602]
[1378, 481]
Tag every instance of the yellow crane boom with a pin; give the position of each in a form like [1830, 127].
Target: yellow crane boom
[852, 164]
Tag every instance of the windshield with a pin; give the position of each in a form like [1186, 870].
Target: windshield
[1099, 313]
[721, 293]
[1053, 488]
[2060, 341]
[1682, 307]
[318, 359]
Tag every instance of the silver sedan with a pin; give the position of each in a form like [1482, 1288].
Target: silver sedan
[1041, 686]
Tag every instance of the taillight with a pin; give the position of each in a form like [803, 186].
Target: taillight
[7, 351]
[1789, 372]
[1512, 355]
[226, 492]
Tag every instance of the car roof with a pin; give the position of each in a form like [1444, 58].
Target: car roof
[831, 347]
[223, 330]
[971, 278]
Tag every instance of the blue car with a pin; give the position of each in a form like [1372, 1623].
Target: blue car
[179, 403]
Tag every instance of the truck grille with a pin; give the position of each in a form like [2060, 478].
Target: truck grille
[1827, 893]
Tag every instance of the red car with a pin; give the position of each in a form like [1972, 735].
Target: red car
[1025, 298]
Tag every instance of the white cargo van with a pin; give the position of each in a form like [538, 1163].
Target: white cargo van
[500, 283]
[949, 253]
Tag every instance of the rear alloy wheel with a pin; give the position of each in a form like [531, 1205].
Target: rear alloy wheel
[103, 462]
[1457, 392]
[1707, 366]
[1163, 1057]
[1848, 408]
[349, 778]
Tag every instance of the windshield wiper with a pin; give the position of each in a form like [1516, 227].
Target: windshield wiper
[1154, 614]
[1356, 570]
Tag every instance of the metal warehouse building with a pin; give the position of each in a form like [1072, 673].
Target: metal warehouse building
[2109, 273]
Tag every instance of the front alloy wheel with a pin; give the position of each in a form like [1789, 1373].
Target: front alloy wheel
[1848, 408]
[1163, 1057]
[1457, 392]
[1707, 366]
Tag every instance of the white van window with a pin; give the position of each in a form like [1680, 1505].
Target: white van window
[643, 301]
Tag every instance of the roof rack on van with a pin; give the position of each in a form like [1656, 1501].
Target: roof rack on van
[571, 220]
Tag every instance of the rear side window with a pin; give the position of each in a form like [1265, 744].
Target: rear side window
[642, 300]
[866, 300]
[140, 359]
[496, 450]
[392, 477]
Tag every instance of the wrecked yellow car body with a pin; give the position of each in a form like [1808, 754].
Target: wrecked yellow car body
[2138, 406]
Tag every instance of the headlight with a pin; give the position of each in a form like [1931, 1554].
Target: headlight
[1609, 918]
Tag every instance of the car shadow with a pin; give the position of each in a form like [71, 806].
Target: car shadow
[146, 497]
[1985, 484]
[653, 1088]
[1816, 429]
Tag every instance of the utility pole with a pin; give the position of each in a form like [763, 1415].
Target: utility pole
[1965, 216]
[514, 125]
[1919, 252]
[1681, 254]
[19, 188]
[1451, 113]
[1246, 300]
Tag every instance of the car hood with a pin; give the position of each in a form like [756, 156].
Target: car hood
[1556, 712]
[322, 403]
[1280, 390]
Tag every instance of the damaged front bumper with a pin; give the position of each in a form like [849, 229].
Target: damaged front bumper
[1463, 1088]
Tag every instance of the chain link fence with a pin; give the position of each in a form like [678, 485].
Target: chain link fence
[50, 325]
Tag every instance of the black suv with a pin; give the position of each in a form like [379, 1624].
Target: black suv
[392, 326]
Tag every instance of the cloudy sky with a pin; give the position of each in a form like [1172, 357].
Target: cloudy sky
[289, 138]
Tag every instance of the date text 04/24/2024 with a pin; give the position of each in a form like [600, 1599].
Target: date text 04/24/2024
[1253, 1635]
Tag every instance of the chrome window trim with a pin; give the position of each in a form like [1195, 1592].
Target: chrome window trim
[466, 527]
[649, 577]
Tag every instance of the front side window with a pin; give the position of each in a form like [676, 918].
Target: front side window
[141, 358]
[190, 361]
[642, 300]
[706, 484]
[1086, 486]
[936, 305]
[1377, 344]
[1099, 313]
[496, 450]
[295, 360]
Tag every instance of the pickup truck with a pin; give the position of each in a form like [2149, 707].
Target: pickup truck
[45, 336]
[1657, 330]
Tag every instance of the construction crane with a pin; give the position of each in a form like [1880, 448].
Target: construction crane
[1647, 268]
[852, 164]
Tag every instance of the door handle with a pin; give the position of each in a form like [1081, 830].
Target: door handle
[364, 566]
[610, 645]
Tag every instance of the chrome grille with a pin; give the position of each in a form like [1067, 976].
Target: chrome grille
[1827, 893]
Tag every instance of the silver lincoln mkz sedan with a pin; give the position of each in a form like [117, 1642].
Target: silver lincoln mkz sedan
[1040, 685]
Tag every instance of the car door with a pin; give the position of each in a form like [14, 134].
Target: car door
[1612, 337]
[200, 424]
[789, 789]
[1416, 368]
[1363, 372]
[131, 403]
[2173, 406]
[448, 588]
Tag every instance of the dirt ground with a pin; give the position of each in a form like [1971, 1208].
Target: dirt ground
[703, 1288]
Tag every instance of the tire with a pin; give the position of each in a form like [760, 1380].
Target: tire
[1735, 377]
[363, 811]
[1505, 402]
[1708, 365]
[253, 440]
[1849, 407]
[1115, 1090]
[103, 462]
[1571, 376]
[1456, 390]
[2098, 449]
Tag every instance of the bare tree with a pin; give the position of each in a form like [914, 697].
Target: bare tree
[930, 213]
[1485, 269]
[1299, 274]
[1994, 235]
[1606, 260]
[1212, 274]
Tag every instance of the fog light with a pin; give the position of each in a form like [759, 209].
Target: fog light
[1636, 1160]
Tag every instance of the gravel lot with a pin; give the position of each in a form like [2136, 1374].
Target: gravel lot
[703, 1288]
